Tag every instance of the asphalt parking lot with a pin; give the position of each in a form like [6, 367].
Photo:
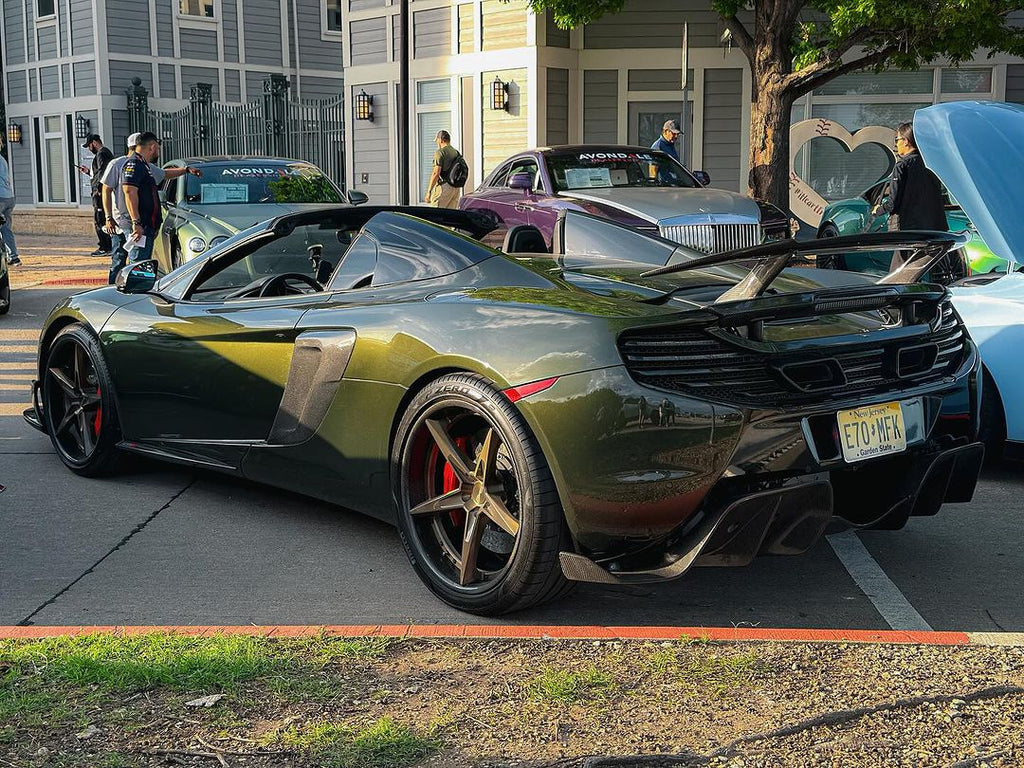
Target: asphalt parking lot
[158, 544]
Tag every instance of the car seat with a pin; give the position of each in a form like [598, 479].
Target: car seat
[524, 238]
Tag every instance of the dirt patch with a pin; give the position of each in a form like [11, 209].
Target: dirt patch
[332, 702]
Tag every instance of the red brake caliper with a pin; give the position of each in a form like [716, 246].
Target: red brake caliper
[99, 416]
[451, 480]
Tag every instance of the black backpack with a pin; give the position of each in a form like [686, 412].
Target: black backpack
[458, 172]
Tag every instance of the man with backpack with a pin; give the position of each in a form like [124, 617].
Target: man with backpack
[449, 174]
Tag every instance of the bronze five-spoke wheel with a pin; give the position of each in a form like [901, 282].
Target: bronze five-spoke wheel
[479, 514]
[78, 403]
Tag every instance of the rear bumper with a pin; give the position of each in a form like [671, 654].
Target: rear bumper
[783, 521]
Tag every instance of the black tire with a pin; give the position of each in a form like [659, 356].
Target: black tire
[506, 571]
[992, 430]
[82, 425]
[831, 261]
[5, 292]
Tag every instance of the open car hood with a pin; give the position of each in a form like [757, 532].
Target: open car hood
[976, 150]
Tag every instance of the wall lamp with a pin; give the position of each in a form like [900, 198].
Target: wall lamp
[499, 94]
[81, 127]
[364, 106]
[14, 133]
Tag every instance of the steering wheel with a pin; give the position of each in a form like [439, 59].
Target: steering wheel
[278, 284]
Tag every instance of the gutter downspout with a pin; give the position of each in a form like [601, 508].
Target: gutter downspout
[403, 105]
[298, 56]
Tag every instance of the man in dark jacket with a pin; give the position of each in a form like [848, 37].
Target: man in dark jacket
[101, 159]
[915, 193]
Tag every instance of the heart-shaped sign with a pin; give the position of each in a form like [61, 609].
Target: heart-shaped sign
[806, 204]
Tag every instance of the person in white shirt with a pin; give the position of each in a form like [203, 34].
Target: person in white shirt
[6, 209]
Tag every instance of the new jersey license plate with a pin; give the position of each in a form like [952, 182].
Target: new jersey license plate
[874, 430]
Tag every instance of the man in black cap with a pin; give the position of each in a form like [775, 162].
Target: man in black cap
[667, 141]
[101, 158]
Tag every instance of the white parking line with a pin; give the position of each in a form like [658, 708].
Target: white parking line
[884, 595]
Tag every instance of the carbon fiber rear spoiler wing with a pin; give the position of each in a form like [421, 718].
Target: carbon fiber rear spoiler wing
[927, 249]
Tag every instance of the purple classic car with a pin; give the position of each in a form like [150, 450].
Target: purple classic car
[635, 186]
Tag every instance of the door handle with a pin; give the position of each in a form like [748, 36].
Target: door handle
[523, 207]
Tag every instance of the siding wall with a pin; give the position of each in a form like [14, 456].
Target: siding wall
[371, 146]
[124, 19]
[369, 41]
[504, 133]
[316, 53]
[657, 24]
[263, 32]
[467, 28]
[1015, 83]
[431, 33]
[555, 35]
[503, 24]
[21, 164]
[229, 12]
[723, 116]
[84, 75]
[656, 79]
[192, 75]
[81, 27]
[164, 29]
[168, 82]
[600, 106]
[17, 88]
[14, 28]
[49, 82]
[232, 85]
[122, 72]
[200, 44]
[558, 107]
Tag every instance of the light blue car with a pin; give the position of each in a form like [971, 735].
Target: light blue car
[976, 149]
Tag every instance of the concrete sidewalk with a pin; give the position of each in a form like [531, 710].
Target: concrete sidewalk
[54, 260]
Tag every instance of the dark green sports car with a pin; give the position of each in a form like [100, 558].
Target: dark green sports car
[616, 411]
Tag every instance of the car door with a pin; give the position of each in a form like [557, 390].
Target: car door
[209, 370]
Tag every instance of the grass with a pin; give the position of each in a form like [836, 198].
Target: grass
[563, 685]
[381, 744]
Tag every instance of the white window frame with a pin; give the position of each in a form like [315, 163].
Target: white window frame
[189, 18]
[326, 33]
[47, 17]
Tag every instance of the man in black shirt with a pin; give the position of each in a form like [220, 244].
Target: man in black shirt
[915, 193]
[101, 158]
[141, 197]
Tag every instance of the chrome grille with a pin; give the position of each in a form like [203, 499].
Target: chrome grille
[713, 238]
[707, 365]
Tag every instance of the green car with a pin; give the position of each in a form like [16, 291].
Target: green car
[529, 419]
[853, 216]
[233, 194]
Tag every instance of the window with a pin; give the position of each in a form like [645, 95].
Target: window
[334, 15]
[501, 176]
[201, 8]
[260, 183]
[55, 160]
[44, 8]
[609, 167]
[357, 265]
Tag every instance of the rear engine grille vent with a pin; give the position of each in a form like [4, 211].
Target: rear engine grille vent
[709, 366]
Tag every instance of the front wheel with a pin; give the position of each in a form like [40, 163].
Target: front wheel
[478, 511]
[79, 411]
[831, 261]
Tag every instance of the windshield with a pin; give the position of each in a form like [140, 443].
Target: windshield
[594, 170]
[253, 183]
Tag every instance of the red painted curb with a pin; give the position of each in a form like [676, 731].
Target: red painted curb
[76, 281]
[516, 632]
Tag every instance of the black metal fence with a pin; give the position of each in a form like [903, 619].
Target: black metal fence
[272, 125]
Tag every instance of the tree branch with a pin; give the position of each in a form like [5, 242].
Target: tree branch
[817, 74]
[741, 36]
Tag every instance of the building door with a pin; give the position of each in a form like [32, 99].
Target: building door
[646, 119]
[433, 114]
[54, 160]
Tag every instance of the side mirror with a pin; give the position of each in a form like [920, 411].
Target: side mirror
[139, 277]
[523, 181]
[355, 197]
[703, 177]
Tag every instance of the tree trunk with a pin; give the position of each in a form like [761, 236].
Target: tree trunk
[770, 116]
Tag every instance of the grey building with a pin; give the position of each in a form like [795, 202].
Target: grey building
[65, 61]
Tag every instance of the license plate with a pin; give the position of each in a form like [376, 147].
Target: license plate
[874, 430]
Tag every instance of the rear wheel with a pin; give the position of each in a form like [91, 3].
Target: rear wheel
[992, 430]
[5, 292]
[478, 511]
[78, 403]
[831, 261]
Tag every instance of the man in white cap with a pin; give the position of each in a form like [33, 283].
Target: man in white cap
[119, 221]
[667, 141]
